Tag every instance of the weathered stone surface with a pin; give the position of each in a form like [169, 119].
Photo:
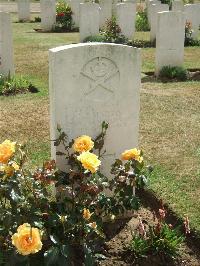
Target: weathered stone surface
[23, 10]
[170, 39]
[154, 9]
[75, 6]
[91, 83]
[105, 12]
[6, 45]
[126, 15]
[192, 14]
[177, 5]
[89, 20]
[48, 14]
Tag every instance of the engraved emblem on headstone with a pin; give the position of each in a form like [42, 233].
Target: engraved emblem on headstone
[100, 71]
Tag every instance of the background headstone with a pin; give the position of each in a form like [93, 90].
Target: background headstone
[48, 14]
[6, 45]
[154, 9]
[170, 39]
[126, 15]
[105, 12]
[75, 6]
[177, 5]
[91, 83]
[23, 10]
[192, 14]
[148, 4]
[89, 20]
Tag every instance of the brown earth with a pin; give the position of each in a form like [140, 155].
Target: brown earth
[116, 247]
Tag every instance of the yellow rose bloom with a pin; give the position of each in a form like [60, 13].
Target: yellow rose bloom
[93, 225]
[9, 169]
[27, 240]
[89, 161]
[7, 149]
[83, 143]
[86, 214]
[133, 154]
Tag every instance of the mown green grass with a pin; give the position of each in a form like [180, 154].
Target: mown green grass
[169, 118]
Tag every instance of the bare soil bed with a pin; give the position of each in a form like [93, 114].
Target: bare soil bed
[116, 251]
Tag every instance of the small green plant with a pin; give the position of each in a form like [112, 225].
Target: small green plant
[159, 238]
[111, 34]
[174, 72]
[15, 85]
[141, 23]
[37, 19]
[141, 43]
[64, 21]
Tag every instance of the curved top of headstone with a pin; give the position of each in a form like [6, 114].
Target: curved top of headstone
[71, 46]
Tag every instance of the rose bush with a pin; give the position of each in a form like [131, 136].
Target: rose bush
[48, 217]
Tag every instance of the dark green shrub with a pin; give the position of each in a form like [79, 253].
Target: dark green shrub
[37, 19]
[141, 23]
[174, 72]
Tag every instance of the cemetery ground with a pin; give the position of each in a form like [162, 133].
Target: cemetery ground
[169, 118]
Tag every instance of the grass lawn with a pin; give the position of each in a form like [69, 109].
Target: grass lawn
[169, 118]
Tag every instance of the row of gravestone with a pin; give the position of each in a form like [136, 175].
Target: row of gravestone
[91, 83]
[170, 33]
[104, 10]
[191, 11]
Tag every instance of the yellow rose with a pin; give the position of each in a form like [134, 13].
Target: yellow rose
[89, 161]
[27, 240]
[86, 214]
[7, 149]
[93, 225]
[9, 169]
[83, 143]
[133, 154]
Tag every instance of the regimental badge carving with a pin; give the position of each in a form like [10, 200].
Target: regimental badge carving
[100, 72]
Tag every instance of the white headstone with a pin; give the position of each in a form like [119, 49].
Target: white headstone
[6, 45]
[154, 9]
[177, 5]
[149, 3]
[170, 39]
[114, 6]
[192, 14]
[23, 10]
[89, 20]
[126, 15]
[91, 83]
[48, 14]
[105, 12]
[75, 6]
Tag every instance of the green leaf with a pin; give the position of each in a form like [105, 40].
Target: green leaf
[51, 256]
[65, 250]
[88, 258]
[54, 239]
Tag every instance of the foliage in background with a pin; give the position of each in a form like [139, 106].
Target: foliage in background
[173, 72]
[50, 217]
[189, 40]
[111, 34]
[15, 85]
[141, 22]
[64, 21]
[168, 2]
[158, 238]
